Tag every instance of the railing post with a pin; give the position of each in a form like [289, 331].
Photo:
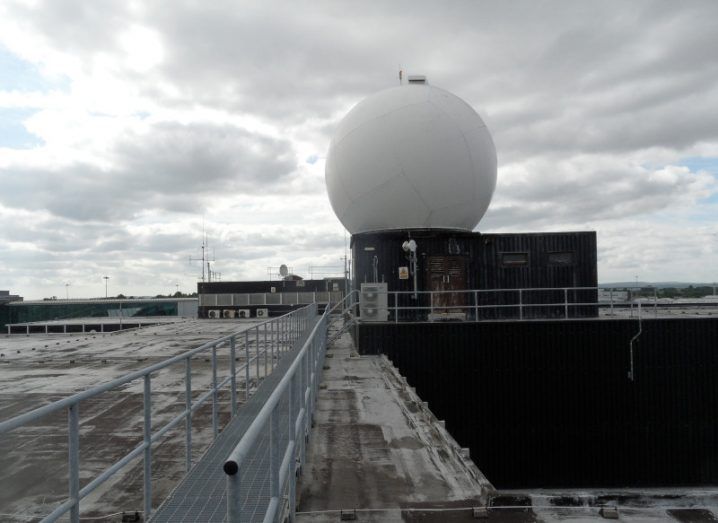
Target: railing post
[73, 444]
[610, 294]
[188, 408]
[565, 303]
[147, 401]
[293, 444]
[233, 373]
[396, 307]
[256, 344]
[246, 366]
[272, 341]
[266, 350]
[215, 430]
[274, 458]
[521, 304]
[234, 499]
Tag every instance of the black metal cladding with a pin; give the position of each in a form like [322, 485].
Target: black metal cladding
[485, 269]
[547, 403]
[240, 287]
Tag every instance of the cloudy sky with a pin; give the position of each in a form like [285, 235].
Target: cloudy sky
[125, 125]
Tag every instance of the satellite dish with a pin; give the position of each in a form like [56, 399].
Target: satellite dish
[283, 270]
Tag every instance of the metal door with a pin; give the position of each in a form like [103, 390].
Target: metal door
[447, 273]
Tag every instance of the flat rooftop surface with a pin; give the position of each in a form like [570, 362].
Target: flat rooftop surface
[376, 446]
[40, 368]
[104, 320]
[85, 301]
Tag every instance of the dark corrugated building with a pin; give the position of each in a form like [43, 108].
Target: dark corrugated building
[543, 264]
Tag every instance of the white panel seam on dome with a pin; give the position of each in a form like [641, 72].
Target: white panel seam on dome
[377, 117]
[466, 144]
[375, 189]
[413, 187]
[472, 128]
[338, 179]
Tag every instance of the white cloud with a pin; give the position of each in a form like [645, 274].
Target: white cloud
[155, 116]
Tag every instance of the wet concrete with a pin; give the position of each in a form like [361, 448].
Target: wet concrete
[377, 449]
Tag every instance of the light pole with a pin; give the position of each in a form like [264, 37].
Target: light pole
[67, 291]
[105, 278]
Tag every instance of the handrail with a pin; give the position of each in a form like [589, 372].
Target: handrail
[574, 302]
[354, 293]
[289, 327]
[299, 382]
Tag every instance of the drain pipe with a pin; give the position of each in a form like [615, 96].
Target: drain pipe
[631, 374]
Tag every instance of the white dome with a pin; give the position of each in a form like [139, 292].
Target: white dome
[411, 157]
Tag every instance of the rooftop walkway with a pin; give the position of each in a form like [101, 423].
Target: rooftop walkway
[201, 495]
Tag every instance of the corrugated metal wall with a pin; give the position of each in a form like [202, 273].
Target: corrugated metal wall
[484, 268]
[549, 404]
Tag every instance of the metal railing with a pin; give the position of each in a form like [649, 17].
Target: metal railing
[268, 340]
[521, 304]
[285, 420]
[245, 299]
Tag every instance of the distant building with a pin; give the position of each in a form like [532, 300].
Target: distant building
[6, 297]
[45, 310]
[245, 299]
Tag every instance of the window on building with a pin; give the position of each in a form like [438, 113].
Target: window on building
[562, 258]
[514, 259]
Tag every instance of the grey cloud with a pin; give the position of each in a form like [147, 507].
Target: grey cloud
[174, 167]
[556, 82]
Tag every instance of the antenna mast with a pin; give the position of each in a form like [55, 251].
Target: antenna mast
[205, 259]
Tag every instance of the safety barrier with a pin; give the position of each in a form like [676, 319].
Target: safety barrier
[284, 420]
[266, 340]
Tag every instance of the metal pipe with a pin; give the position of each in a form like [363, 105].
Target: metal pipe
[147, 461]
[234, 498]
[72, 403]
[256, 344]
[215, 429]
[565, 303]
[274, 454]
[109, 472]
[35, 414]
[246, 366]
[242, 449]
[233, 375]
[73, 444]
[188, 418]
[271, 515]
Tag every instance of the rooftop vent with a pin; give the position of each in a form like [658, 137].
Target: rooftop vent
[417, 79]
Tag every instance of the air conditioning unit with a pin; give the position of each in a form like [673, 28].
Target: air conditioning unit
[213, 314]
[243, 313]
[373, 300]
[228, 313]
[263, 313]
